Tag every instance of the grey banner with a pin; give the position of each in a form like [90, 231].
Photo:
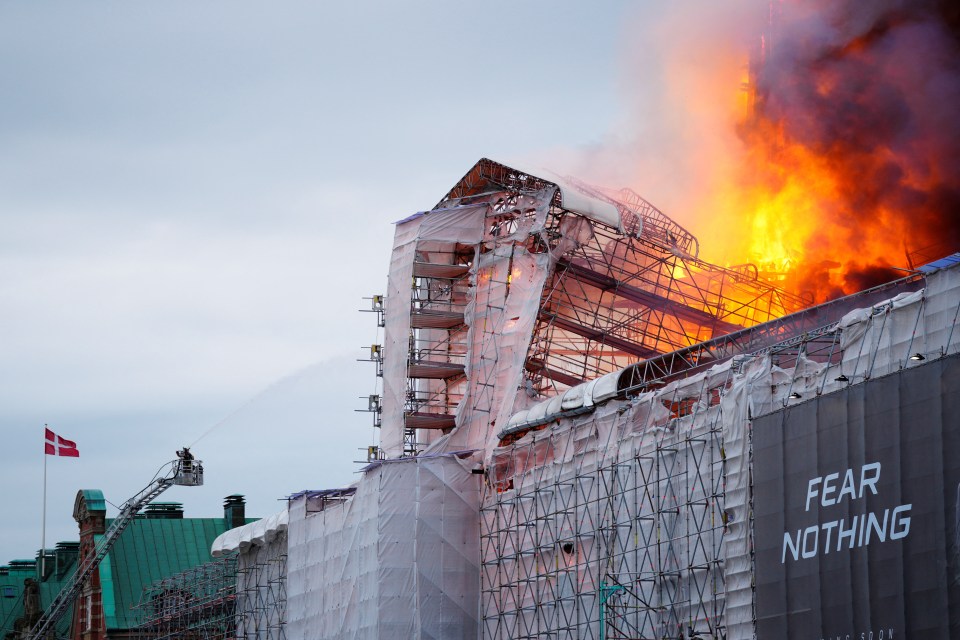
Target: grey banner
[855, 504]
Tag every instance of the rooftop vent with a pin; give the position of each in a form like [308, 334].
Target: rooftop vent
[160, 510]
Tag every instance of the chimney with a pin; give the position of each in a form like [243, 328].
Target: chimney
[234, 511]
[45, 569]
[66, 557]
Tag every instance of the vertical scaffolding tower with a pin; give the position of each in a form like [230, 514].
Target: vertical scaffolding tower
[262, 591]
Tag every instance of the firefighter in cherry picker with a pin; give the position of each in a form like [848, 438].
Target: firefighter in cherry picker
[186, 460]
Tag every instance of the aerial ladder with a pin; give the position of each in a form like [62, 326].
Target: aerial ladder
[184, 471]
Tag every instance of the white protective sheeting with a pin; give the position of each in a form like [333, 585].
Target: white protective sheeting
[605, 387]
[618, 504]
[588, 206]
[508, 282]
[573, 199]
[457, 225]
[573, 397]
[257, 533]
[653, 494]
[397, 334]
[400, 559]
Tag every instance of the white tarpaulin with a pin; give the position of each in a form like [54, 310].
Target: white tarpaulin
[457, 225]
[400, 559]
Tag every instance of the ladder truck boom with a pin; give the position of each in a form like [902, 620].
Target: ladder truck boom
[184, 471]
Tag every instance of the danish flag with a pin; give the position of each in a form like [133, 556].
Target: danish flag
[55, 445]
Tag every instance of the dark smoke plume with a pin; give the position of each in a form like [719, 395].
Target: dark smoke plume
[873, 88]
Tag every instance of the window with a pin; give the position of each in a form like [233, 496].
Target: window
[9, 592]
[88, 613]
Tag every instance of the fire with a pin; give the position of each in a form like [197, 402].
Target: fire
[787, 205]
[846, 173]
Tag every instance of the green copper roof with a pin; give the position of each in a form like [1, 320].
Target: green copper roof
[11, 591]
[94, 499]
[11, 595]
[147, 551]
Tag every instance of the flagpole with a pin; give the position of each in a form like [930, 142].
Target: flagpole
[43, 539]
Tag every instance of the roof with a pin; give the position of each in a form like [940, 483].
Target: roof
[94, 499]
[11, 594]
[13, 575]
[258, 533]
[149, 550]
[942, 263]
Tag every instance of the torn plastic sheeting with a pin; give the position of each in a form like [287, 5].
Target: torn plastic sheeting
[501, 318]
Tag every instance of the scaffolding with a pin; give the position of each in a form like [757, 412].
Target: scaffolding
[617, 293]
[262, 590]
[613, 526]
[551, 282]
[197, 604]
[635, 520]
[234, 597]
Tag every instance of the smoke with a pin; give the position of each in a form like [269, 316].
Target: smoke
[817, 139]
[871, 91]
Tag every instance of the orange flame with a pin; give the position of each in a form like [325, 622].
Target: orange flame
[841, 183]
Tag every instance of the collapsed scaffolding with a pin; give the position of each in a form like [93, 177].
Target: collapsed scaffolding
[235, 596]
[517, 281]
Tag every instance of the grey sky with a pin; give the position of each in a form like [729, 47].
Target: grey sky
[195, 197]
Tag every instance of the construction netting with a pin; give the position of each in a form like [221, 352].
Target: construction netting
[396, 558]
[474, 300]
[634, 521]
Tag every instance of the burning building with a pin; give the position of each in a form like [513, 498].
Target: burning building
[589, 432]
[588, 429]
